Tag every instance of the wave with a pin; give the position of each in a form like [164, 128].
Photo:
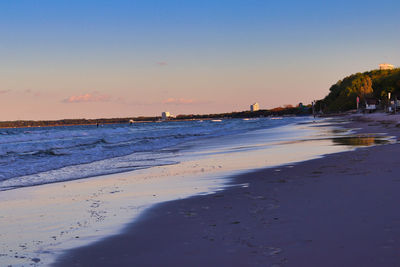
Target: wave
[47, 152]
[38, 151]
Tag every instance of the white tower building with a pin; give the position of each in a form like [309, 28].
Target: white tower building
[254, 107]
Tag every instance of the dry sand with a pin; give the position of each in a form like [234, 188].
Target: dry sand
[340, 210]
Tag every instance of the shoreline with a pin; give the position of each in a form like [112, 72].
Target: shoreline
[294, 215]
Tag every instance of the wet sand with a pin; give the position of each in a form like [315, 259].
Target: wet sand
[340, 210]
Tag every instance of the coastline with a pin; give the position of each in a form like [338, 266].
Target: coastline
[146, 119]
[36, 124]
[339, 210]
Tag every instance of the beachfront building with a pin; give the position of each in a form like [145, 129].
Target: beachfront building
[371, 104]
[165, 115]
[396, 101]
[254, 107]
[386, 66]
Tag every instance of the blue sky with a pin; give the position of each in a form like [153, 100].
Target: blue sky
[63, 59]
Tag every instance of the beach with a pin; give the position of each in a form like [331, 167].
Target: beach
[199, 133]
[339, 210]
[267, 194]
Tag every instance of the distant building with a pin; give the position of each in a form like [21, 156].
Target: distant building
[165, 115]
[254, 107]
[386, 66]
[371, 104]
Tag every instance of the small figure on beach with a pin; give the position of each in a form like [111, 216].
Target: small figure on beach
[313, 108]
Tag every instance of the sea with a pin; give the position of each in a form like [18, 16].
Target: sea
[41, 155]
[66, 187]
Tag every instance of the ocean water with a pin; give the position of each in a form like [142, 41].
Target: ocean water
[35, 156]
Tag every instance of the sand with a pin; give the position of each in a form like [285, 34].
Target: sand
[340, 210]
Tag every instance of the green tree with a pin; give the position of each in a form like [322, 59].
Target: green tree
[342, 95]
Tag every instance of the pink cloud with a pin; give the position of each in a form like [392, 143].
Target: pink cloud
[4, 91]
[178, 101]
[162, 63]
[95, 97]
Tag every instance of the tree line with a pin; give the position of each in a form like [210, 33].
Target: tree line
[279, 111]
[371, 84]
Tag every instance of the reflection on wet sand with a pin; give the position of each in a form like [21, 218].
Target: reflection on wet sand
[361, 140]
[349, 140]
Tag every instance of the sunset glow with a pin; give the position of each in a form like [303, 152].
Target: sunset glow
[89, 59]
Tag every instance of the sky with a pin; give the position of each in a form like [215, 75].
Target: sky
[103, 59]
